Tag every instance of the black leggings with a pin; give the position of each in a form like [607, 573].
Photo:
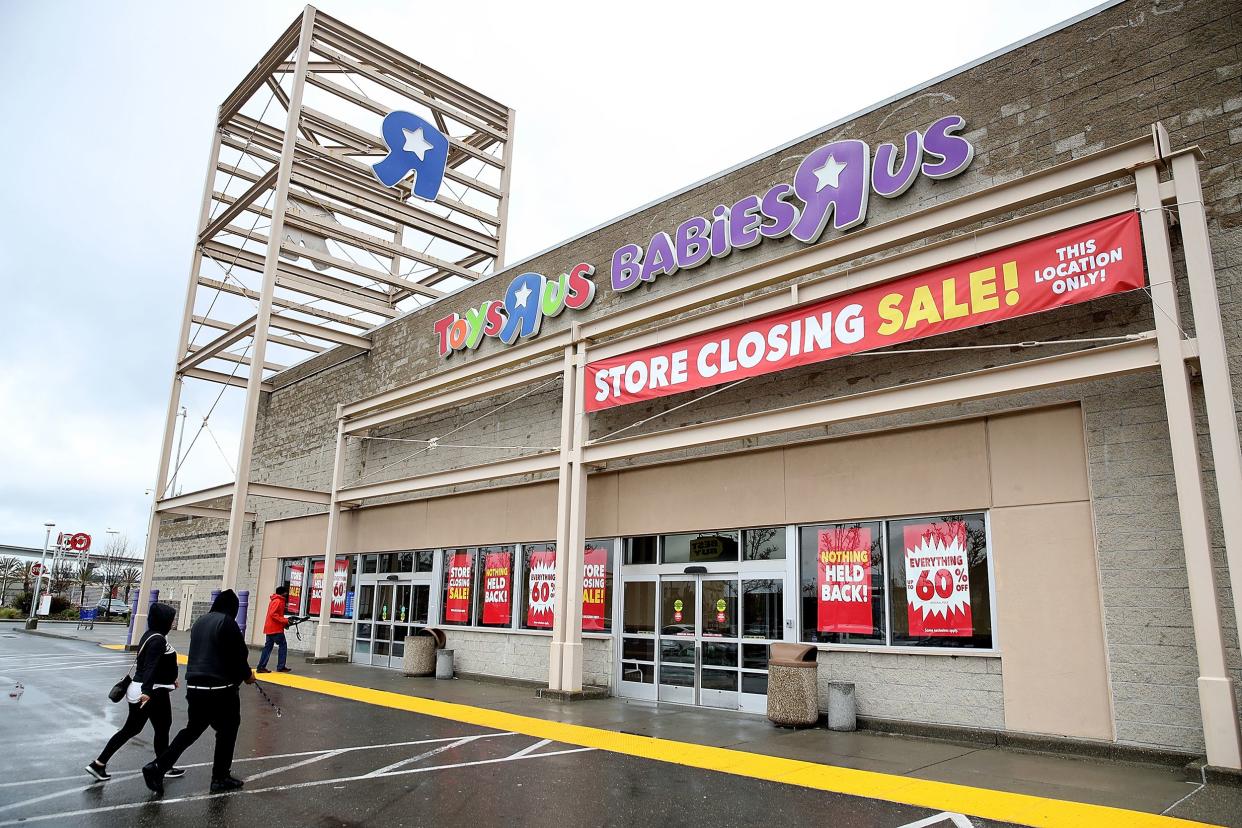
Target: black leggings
[158, 710]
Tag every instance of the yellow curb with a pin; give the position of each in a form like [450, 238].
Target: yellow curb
[1002, 806]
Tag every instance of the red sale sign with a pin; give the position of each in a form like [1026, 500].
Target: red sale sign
[937, 579]
[541, 582]
[844, 580]
[594, 588]
[1066, 268]
[293, 602]
[497, 587]
[457, 601]
[340, 575]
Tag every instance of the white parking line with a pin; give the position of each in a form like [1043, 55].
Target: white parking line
[147, 803]
[531, 749]
[5, 671]
[315, 755]
[428, 754]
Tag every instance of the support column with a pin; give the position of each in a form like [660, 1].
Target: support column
[1217, 704]
[564, 498]
[139, 620]
[1214, 363]
[574, 551]
[258, 349]
[322, 638]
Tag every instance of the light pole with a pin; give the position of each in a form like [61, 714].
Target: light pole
[31, 621]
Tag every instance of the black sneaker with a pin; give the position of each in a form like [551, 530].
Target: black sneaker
[263, 670]
[175, 773]
[152, 776]
[98, 771]
[284, 669]
[228, 783]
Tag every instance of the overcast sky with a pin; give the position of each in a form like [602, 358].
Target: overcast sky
[107, 115]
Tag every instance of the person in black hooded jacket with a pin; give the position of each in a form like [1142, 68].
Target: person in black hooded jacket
[155, 676]
[218, 664]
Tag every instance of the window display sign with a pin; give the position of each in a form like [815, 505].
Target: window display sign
[340, 577]
[457, 601]
[293, 602]
[594, 588]
[541, 576]
[844, 580]
[1087, 262]
[497, 587]
[937, 579]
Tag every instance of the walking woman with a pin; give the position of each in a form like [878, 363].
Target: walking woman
[155, 677]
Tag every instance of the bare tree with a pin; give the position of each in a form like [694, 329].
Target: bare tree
[10, 570]
[112, 563]
[61, 577]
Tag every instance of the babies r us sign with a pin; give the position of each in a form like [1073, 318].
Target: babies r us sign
[1093, 260]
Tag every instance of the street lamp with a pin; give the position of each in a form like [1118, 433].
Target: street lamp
[31, 621]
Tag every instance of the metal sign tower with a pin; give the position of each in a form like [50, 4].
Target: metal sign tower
[301, 246]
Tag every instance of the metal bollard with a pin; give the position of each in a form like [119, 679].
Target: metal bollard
[444, 664]
[842, 710]
[243, 606]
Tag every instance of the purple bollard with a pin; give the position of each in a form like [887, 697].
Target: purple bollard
[133, 613]
[243, 599]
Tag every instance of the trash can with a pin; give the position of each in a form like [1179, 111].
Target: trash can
[793, 699]
[444, 664]
[842, 709]
[420, 652]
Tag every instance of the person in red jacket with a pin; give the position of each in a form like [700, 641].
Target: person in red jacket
[274, 626]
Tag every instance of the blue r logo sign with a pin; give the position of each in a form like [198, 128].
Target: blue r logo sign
[413, 146]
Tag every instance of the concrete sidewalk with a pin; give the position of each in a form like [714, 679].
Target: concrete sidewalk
[1144, 787]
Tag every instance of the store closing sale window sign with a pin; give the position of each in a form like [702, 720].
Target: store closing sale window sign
[844, 580]
[937, 579]
[541, 588]
[497, 587]
[340, 578]
[457, 588]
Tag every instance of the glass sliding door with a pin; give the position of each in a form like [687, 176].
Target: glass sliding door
[638, 639]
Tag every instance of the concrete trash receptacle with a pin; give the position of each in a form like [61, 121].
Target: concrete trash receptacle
[444, 664]
[842, 708]
[793, 699]
[420, 652]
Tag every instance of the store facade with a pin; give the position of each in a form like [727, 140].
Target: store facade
[929, 389]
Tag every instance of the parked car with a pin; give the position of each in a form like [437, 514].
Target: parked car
[115, 606]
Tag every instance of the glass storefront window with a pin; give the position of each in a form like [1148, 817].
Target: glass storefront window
[458, 595]
[493, 586]
[841, 583]
[766, 544]
[699, 547]
[640, 550]
[938, 575]
[763, 610]
[638, 608]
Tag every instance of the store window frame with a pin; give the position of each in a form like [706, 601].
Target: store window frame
[904, 648]
[517, 598]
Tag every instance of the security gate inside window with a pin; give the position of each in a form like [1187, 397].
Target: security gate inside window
[700, 638]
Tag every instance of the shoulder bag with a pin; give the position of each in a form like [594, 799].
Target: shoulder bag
[119, 689]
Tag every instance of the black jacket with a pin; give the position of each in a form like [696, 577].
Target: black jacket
[218, 654]
[157, 660]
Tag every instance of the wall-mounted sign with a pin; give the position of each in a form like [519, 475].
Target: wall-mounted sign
[832, 182]
[414, 146]
[1066, 268]
[528, 300]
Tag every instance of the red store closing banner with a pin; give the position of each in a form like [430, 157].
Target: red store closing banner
[457, 602]
[293, 602]
[340, 577]
[844, 580]
[937, 579]
[497, 587]
[1077, 265]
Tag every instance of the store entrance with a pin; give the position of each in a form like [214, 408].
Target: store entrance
[701, 639]
[389, 608]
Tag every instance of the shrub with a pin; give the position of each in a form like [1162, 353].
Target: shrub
[10, 612]
[59, 604]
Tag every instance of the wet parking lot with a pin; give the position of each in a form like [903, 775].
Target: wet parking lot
[329, 761]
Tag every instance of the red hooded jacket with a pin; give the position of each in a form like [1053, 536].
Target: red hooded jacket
[276, 622]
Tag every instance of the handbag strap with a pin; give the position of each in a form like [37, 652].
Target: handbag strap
[133, 671]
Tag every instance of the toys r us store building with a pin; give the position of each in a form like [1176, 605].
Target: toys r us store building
[946, 389]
